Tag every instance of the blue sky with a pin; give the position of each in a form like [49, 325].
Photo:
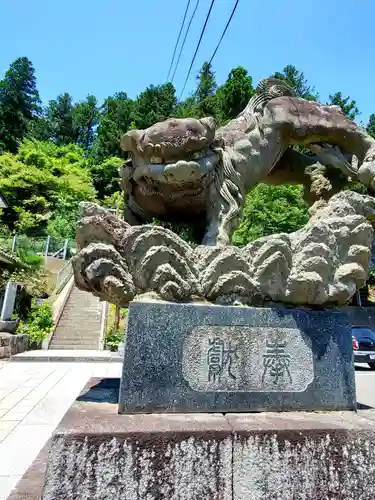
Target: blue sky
[103, 46]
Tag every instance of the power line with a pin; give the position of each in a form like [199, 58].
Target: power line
[178, 38]
[199, 42]
[225, 29]
[183, 43]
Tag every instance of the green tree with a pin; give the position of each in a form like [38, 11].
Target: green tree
[269, 210]
[114, 120]
[40, 129]
[235, 93]
[187, 109]
[348, 106]
[85, 119]
[42, 181]
[155, 104]
[59, 114]
[296, 79]
[105, 176]
[371, 126]
[19, 103]
[205, 94]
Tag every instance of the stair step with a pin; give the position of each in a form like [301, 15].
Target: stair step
[77, 337]
[76, 340]
[80, 323]
[73, 341]
[72, 348]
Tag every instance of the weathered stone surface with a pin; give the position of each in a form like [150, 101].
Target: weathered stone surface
[107, 456]
[185, 169]
[323, 263]
[299, 456]
[11, 343]
[197, 358]
[100, 455]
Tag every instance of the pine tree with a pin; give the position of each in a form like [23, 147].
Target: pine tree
[205, 94]
[19, 103]
[59, 114]
[235, 93]
[296, 79]
[348, 106]
[371, 126]
[85, 119]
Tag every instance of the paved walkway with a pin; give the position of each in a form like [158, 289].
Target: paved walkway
[33, 399]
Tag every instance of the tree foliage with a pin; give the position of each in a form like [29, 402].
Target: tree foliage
[153, 105]
[19, 103]
[269, 210]
[348, 106]
[205, 95]
[43, 181]
[85, 120]
[105, 176]
[371, 126]
[296, 79]
[235, 93]
[115, 118]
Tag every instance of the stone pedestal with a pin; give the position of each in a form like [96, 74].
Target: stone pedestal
[96, 453]
[11, 344]
[207, 358]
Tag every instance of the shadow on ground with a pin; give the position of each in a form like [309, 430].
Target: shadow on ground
[105, 391]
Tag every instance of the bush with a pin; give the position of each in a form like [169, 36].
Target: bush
[39, 323]
[114, 339]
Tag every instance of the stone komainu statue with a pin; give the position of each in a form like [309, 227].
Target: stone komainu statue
[186, 170]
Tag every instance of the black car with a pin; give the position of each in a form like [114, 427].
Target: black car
[364, 345]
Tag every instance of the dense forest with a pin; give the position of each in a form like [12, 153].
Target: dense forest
[54, 156]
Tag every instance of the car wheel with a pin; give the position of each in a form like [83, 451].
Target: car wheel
[371, 365]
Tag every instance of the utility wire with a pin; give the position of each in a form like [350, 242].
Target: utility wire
[225, 29]
[196, 50]
[183, 43]
[178, 38]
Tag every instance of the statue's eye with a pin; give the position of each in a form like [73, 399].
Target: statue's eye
[156, 160]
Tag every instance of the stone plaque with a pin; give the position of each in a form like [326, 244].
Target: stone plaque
[207, 358]
[244, 359]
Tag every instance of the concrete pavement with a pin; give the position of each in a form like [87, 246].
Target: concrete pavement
[34, 396]
[33, 399]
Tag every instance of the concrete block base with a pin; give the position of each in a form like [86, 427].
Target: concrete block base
[11, 344]
[98, 454]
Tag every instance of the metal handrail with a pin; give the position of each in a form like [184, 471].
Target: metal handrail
[63, 277]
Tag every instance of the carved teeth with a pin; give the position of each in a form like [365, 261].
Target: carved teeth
[156, 160]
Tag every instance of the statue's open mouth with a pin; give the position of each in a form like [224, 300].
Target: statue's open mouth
[179, 174]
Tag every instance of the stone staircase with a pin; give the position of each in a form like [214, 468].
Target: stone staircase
[79, 324]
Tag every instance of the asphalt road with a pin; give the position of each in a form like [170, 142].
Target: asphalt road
[365, 382]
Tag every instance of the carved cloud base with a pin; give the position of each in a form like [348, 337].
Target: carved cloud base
[324, 263]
